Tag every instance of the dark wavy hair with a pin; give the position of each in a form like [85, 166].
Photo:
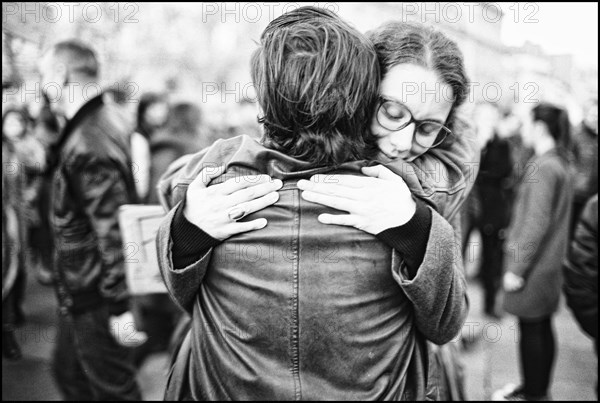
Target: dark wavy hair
[317, 80]
[146, 101]
[413, 43]
[556, 120]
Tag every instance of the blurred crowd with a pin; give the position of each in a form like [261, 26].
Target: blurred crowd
[163, 129]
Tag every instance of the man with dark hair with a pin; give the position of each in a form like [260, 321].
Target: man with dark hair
[91, 179]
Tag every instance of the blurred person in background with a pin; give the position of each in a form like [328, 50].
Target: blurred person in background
[152, 115]
[535, 247]
[493, 186]
[484, 117]
[581, 272]
[17, 130]
[91, 172]
[180, 135]
[585, 159]
[46, 130]
[13, 232]
[510, 128]
[243, 119]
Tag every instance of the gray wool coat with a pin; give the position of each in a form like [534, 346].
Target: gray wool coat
[537, 239]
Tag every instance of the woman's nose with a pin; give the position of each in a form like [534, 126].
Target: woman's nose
[402, 139]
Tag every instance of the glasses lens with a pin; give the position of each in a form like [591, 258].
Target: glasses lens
[393, 116]
[431, 134]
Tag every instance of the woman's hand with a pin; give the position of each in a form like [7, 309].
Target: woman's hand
[375, 204]
[216, 209]
[512, 282]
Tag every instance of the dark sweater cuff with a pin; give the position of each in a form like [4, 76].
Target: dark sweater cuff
[189, 242]
[410, 239]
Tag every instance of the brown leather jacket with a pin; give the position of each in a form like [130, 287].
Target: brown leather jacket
[302, 310]
[91, 179]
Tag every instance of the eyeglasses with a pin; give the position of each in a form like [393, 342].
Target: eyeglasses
[395, 116]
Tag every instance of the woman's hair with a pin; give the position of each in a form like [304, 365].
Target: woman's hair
[317, 80]
[413, 43]
[556, 120]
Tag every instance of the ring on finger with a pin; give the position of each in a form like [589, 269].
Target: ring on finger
[236, 213]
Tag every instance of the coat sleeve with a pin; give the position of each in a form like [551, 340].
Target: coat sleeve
[182, 284]
[438, 292]
[530, 222]
[581, 270]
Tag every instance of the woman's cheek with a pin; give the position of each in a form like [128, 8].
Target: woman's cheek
[382, 143]
[415, 152]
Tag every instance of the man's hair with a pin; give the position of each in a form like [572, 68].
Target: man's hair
[78, 57]
[317, 80]
[413, 43]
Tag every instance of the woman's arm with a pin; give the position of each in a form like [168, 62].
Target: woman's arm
[438, 292]
[201, 218]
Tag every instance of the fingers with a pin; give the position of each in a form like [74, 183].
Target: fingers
[241, 226]
[332, 189]
[242, 182]
[351, 181]
[255, 191]
[206, 175]
[338, 203]
[381, 172]
[338, 219]
[260, 203]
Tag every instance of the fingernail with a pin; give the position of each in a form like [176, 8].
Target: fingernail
[304, 184]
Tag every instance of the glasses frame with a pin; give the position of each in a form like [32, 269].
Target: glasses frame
[418, 123]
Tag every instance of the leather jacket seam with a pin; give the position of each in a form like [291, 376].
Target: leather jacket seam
[295, 339]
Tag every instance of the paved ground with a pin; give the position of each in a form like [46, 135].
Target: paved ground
[490, 363]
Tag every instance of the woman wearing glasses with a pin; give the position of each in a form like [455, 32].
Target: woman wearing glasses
[301, 310]
[416, 121]
[423, 85]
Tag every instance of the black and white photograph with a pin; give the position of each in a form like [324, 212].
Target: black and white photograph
[300, 201]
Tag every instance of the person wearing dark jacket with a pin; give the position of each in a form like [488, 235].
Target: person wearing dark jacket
[13, 242]
[581, 270]
[585, 161]
[91, 178]
[493, 188]
[535, 247]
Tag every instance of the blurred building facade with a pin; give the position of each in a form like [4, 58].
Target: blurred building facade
[202, 51]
